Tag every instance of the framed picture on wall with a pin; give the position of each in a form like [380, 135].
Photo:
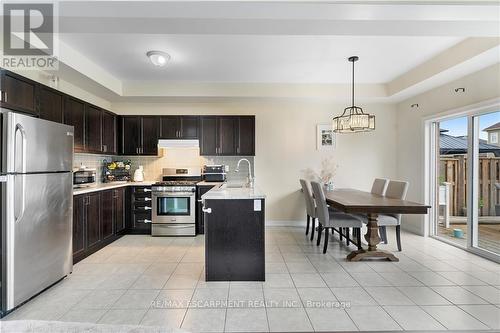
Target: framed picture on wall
[325, 138]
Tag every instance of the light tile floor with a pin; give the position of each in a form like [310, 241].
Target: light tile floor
[160, 281]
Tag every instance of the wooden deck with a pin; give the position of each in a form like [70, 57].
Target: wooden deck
[489, 234]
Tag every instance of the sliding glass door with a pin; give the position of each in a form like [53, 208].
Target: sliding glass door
[466, 182]
[486, 222]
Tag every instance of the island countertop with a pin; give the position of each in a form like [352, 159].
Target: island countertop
[226, 192]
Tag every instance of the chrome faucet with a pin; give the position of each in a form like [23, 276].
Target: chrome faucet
[250, 181]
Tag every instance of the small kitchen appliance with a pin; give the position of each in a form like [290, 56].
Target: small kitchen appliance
[214, 173]
[83, 177]
[174, 202]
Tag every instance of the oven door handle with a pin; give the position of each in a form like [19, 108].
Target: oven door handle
[173, 194]
[177, 226]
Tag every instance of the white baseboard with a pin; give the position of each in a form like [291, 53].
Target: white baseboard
[285, 223]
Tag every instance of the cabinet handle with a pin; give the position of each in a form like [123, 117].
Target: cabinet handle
[104, 148]
[147, 190]
[1, 96]
[207, 210]
[238, 150]
[5, 96]
[146, 208]
[144, 221]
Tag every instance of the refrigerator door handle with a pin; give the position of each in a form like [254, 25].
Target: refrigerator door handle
[21, 130]
[23, 198]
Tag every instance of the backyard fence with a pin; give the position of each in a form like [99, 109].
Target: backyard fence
[453, 169]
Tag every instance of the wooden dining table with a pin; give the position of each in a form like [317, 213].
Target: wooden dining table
[360, 202]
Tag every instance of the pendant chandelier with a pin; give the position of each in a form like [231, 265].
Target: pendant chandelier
[353, 119]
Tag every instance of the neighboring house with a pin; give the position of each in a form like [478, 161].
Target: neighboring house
[493, 134]
[456, 145]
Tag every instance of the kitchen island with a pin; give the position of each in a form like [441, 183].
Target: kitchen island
[234, 234]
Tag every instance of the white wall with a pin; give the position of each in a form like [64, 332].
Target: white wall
[286, 144]
[480, 86]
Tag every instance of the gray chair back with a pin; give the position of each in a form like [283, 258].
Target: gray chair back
[310, 206]
[380, 186]
[321, 206]
[397, 190]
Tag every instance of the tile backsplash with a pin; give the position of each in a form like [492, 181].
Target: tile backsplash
[171, 157]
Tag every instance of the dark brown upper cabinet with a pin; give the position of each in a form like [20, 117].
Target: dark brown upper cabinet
[18, 93]
[209, 143]
[74, 115]
[245, 136]
[93, 129]
[109, 133]
[51, 104]
[130, 135]
[227, 135]
[179, 127]
[150, 135]
[139, 135]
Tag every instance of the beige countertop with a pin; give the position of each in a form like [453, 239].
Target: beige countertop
[108, 186]
[204, 183]
[225, 192]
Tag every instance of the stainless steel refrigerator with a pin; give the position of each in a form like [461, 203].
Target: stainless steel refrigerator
[36, 206]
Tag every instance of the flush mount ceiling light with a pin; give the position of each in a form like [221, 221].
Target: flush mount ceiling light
[353, 119]
[158, 58]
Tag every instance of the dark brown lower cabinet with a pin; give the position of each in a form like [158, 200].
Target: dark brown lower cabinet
[119, 209]
[139, 206]
[107, 199]
[98, 219]
[200, 220]
[78, 226]
[234, 240]
[93, 214]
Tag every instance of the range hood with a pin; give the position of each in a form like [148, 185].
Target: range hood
[167, 143]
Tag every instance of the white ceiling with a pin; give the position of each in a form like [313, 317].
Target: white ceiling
[250, 58]
[275, 49]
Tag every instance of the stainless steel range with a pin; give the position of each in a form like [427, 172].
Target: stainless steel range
[174, 202]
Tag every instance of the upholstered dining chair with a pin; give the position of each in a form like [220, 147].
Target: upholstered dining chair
[332, 220]
[379, 186]
[395, 190]
[310, 206]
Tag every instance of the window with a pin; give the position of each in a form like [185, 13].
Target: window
[494, 137]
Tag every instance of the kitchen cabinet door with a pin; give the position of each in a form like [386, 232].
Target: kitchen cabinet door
[208, 136]
[200, 216]
[119, 209]
[51, 104]
[170, 127]
[18, 93]
[74, 115]
[93, 214]
[150, 135]
[107, 216]
[245, 143]
[108, 133]
[93, 129]
[79, 205]
[189, 127]
[131, 135]
[227, 135]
